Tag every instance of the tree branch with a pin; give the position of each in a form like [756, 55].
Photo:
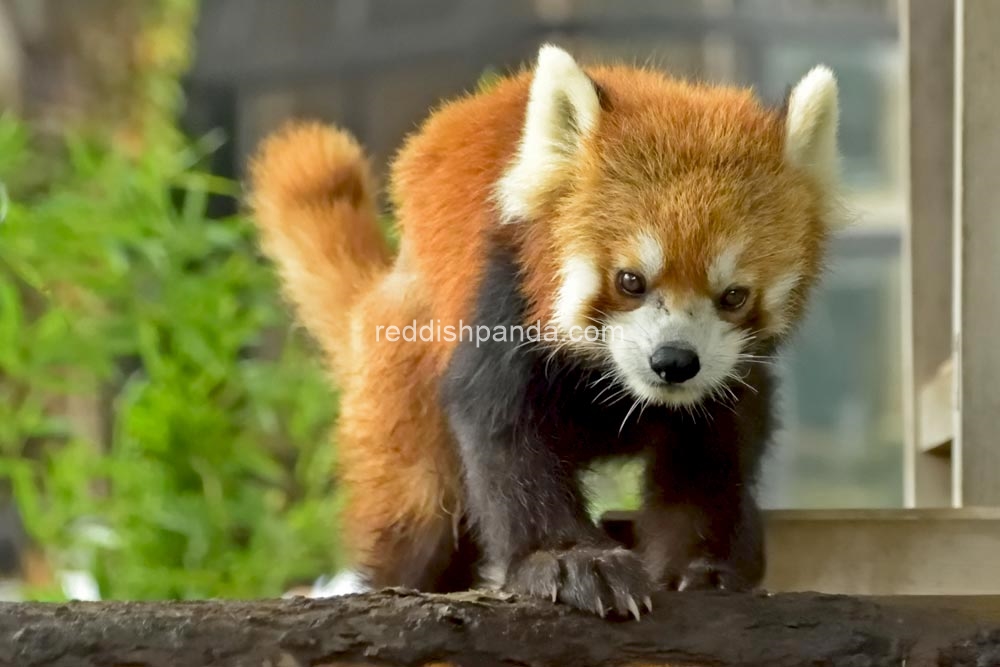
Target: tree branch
[406, 628]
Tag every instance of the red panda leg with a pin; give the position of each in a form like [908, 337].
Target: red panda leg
[396, 457]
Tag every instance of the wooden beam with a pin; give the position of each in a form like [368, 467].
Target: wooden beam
[937, 420]
[406, 628]
[976, 450]
[927, 31]
[872, 552]
[884, 552]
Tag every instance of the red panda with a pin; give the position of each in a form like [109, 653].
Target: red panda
[684, 224]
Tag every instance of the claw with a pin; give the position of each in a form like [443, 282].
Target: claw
[555, 593]
[600, 608]
[633, 607]
[647, 602]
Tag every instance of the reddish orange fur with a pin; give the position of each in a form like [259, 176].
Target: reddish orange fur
[313, 201]
[652, 162]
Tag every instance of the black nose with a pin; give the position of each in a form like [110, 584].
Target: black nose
[675, 363]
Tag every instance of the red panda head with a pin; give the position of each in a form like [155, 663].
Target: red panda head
[686, 222]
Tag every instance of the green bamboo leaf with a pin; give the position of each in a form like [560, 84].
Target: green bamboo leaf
[11, 328]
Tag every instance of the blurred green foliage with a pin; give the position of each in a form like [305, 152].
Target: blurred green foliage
[214, 480]
[212, 476]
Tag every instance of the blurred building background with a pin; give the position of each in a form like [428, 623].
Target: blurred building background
[378, 67]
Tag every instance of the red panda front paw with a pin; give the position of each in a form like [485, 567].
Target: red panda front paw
[706, 574]
[594, 579]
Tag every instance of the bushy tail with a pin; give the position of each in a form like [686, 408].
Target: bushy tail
[314, 202]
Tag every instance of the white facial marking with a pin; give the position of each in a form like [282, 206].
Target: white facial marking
[651, 258]
[775, 299]
[562, 109]
[638, 333]
[581, 282]
[723, 270]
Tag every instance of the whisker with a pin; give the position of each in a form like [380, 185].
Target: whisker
[627, 415]
[615, 397]
[618, 391]
[742, 381]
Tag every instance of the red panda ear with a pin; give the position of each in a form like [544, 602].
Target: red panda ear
[563, 108]
[811, 127]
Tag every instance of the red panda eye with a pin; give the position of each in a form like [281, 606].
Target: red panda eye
[631, 283]
[734, 298]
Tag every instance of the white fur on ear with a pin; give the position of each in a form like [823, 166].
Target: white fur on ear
[562, 109]
[811, 126]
